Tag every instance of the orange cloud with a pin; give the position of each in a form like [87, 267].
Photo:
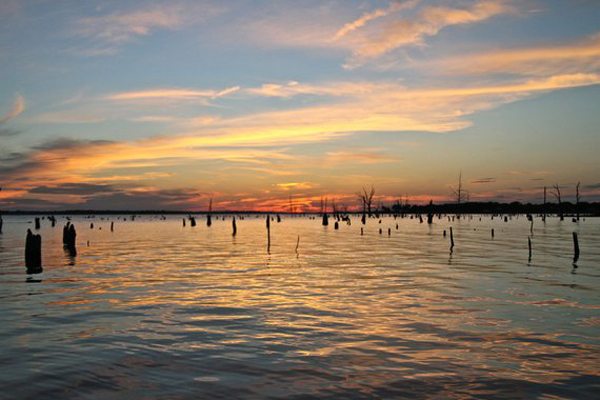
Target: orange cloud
[429, 22]
[576, 57]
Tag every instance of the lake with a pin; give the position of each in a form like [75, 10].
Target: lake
[158, 310]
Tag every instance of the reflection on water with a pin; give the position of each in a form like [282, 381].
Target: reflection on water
[155, 309]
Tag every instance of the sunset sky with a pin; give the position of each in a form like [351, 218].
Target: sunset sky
[163, 105]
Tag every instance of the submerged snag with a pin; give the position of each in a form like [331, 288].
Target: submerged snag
[268, 234]
[69, 235]
[33, 253]
[233, 226]
[451, 239]
[297, 244]
[575, 247]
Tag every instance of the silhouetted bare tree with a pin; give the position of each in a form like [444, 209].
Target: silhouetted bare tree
[459, 192]
[556, 193]
[544, 215]
[577, 199]
[367, 199]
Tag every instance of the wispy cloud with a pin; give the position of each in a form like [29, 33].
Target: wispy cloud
[579, 56]
[119, 28]
[17, 108]
[177, 94]
[372, 15]
[109, 32]
[428, 22]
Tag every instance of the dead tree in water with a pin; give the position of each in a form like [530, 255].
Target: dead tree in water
[544, 215]
[430, 213]
[268, 234]
[69, 239]
[208, 217]
[556, 194]
[459, 192]
[577, 199]
[367, 201]
[323, 210]
[33, 252]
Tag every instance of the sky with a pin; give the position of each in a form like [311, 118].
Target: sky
[262, 104]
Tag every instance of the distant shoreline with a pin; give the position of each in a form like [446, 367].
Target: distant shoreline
[491, 208]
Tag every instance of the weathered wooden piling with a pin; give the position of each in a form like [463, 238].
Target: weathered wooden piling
[69, 235]
[529, 246]
[234, 227]
[192, 221]
[33, 252]
[325, 219]
[389, 231]
[361, 232]
[451, 239]
[208, 220]
[575, 247]
[268, 234]
[444, 233]
[37, 224]
[492, 233]
[278, 218]
[92, 225]
[380, 231]
[183, 221]
[336, 226]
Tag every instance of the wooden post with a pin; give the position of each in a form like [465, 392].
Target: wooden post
[575, 247]
[336, 225]
[37, 224]
[325, 219]
[234, 227]
[297, 244]
[492, 233]
[451, 239]
[268, 234]
[1, 222]
[529, 246]
[112, 225]
[33, 252]
[361, 231]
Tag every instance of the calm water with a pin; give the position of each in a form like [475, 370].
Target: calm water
[156, 310]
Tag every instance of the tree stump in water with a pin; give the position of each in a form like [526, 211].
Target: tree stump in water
[33, 253]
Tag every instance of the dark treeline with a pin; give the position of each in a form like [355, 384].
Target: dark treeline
[498, 208]
[584, 208]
